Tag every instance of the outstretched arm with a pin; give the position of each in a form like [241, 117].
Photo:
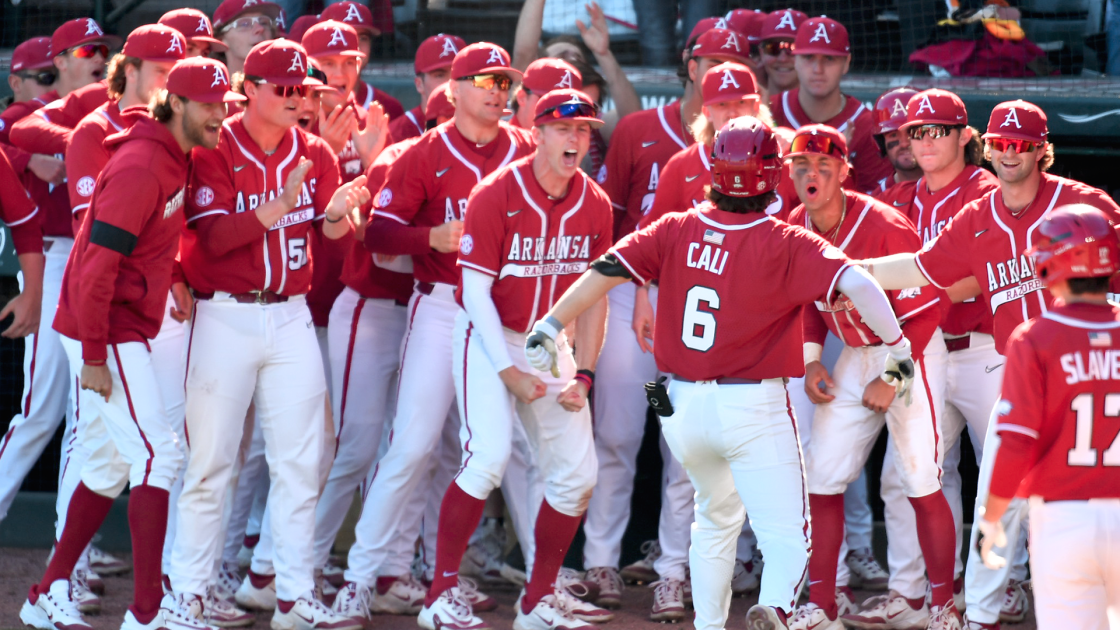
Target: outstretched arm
[897, 271]
[527, 38]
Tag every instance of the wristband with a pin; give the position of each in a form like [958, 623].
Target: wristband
[585, 379]
[549, 326]
[95, 363]
[328, 218]
[590, 374]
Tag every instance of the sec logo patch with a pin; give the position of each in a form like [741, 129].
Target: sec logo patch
[384, 198]
[466, 245]
[204, 196]
[85, 186]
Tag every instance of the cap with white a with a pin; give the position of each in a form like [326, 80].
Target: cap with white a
[482, 58]
[203, 80]
[155, 42]
[79, 32]
[1019, 120]
[722, 44]
[821, 36]
[330, 38]
[728, 81]
[437, 51]
[32, 54]
[194, 25]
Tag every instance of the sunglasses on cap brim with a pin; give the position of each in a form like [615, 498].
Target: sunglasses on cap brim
[89, 51]
[1020, 146]
[488, 81]
[568, 110]
[917, 132]
[820, 145]
[42, 77]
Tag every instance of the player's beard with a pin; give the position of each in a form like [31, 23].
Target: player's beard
[194, 131]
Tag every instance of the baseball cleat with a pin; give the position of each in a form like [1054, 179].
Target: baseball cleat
[229, 580]
[95, 583]
[223, 613]
[743, 579]
[513, 575]
[944, 618]
[257, 592]
[480, 601]
[641, 572]
[405, 596]
[761, 617]
[551, 613]
[580, 609]
[308, 613]
[53, 610]
[80, 592]
[353, 602]
[105, 564]
[1013, 608]
[323, 590]
[334, 574]
[169, 617]
[866, 572]
[845, 601]
[668, 600]
[813, 617]
[451, 611]
[576, 585]
[888, 612]
[483, 558]
[969, 624]
[610, 586]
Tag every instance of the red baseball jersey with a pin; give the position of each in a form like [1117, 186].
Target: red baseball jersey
[366, 94]
[359, 271]
[1061, 387]
[429, 185]
[226, 248]
[856, 121]
[52, 200]
[987, 241]
[897, 195]
[18, 211]
[411, 125]
[119, 272]
[533, 246]
[49, 130]
[869, 229]
[731, 290]
[641, 145]
[87, 154]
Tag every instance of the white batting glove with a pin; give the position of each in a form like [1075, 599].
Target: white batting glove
[991, 535]
[899, 370]
[540, 345]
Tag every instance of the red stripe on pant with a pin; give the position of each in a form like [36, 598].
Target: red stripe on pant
[132, 412]
[932, 415]
[466, 414]
[805, 527]
[346, 370]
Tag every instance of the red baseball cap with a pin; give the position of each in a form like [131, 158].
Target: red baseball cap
[155, 42]
[566, 104]
[729, 81]
[194, 25]
[703, 26]
[548, 73]
[439, 104]
[1018, 119]
[78, 32]
[819, 140]
[935, 107]
[300, 26]
[32, 54]
[746, 22]
[821, 36]
[329, 38]
[482, 58]
[722, 44]
[279, 62]
[782, 24]
[890, 109]
[201, 79]
[438, 51]
[357, 15]
[230, 10]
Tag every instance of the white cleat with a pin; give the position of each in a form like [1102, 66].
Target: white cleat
[582, 610]
[105, 564]
[641, 572]
[222, 613]
[177, 612]
[551, 613]
[256, 596]
[1013, 608]
[610, 586]
[353, 602]
[743, 580]
[890, 611]
[480, 602]
[668, 600]
[812, 617]
[404, 597]
[308, 613]
[866, 572]
[54, 610]
[88, 601]
[944, 618]
[451, 611]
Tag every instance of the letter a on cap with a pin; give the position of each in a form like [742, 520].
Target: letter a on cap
[565, 81]
[819, 34]
[175, 46]
[732, 42]
[337, 38]
[352, 14]
[1012, 117]
[297, 63]
[899, 108]
[202, 27]
[728, 79]
[92, 28]
[219, 77]
[786, 21]
[448, 48]
[495, 57]
[924, 105]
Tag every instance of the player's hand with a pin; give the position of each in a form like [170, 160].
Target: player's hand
[27, 309]
[878, 395]
[540, 345]
[47, 168]
[97, 379]
[596, 36]
[525, 386]
[991, 536]
[445, 238]
[370, 141]
[815, 372]
[349, 197]
[643, 320]
[337, 127]
[183, 302]
[289, 198]
[899, 370]
[574, 395]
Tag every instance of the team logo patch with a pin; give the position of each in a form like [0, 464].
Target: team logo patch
[600, 177]
[85, 186]
[1003, 407]
[385, 198]
[466, 245]
[204, 197]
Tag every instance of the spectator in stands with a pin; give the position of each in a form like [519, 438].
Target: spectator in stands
[778, 33]
[242, 24]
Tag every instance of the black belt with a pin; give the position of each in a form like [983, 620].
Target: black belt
[252, 297]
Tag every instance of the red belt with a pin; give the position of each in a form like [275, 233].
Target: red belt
[252, 297]
[959, 343]
[425, 287]
[723, 381]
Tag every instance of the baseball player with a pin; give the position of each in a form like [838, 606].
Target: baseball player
[988, 239]
[358, 16]
[948, 153]
[774, 49]
[1053, 420]
[894, 144]
[541, 77]
[433, 66]
[723, 398]
[195, 26]
[111, 303]
[18, 211]
[849, 415]
[822, 56]
[419, 212]
[530, 229]
[251, 205]
[241, 25]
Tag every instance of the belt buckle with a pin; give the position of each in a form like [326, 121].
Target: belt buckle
[260, 296]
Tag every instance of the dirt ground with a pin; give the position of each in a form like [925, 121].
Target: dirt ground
[20, 567]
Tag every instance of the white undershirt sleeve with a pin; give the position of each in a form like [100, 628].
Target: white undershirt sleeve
[872, 303]
[484, 315]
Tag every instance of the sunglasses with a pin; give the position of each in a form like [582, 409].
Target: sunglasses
[809, 143]
[288, 91]
[774, 47]
[43, 77]
[1020, 146]
[933, 131]
[316, 73]
[488, 81]
[248, 22]
[89, 51]
[570, 110]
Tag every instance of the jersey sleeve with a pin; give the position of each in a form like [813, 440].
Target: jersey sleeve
[211, 205]
[641, 252]
[614, 176]
[907, 303]
[86, 155]
[814, 266]
[39, 133]
[405, 187]
[18, 211]
[946, 259]
[483, 230]
[1018, 414]
[328, 178]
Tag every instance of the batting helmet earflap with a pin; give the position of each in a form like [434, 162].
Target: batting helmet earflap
[746, 158]
[1077, 241]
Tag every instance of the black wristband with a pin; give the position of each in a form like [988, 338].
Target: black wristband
[588, 373]
[328, 218]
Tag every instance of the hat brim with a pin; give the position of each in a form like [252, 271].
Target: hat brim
[345, 53]
[789, 156]
[819, 50]
[47, 63]
[743, 59]
[216, 45]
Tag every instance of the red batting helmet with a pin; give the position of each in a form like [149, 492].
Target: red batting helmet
[890, 109]
[1077, 241]
[746, 158]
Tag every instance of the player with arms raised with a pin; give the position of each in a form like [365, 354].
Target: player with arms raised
[733, 429]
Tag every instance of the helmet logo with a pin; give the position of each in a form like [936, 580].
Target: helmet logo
[761, 185]
[924, 105]
[819, 34]
[496, 57]
[448, 48]
[565, 81]
[786, 22]
[899, 108]
[297, 64]
[732, 42]
[728, 80]
[352, 14]
[1012, 117]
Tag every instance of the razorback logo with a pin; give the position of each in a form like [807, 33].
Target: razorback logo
[732, 42]
[448, 48]
[565, 81]
[220, 78]
[496, 57]
[821, 33]
[176, 45]
[203, 26]
[899, 108]
[786, 22]
[924, 105]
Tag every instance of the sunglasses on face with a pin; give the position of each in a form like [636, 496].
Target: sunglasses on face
[817, 144]
[42, 77]
[570, 110]
[248, 22]
[488, 81]
[774, 47]
[288, 91]
[89, 51]
[1020, 146]
[933, 131]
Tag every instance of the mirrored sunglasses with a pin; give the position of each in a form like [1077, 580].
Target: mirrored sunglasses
[933, 131]
[774, 47]
[1020, 146]
[89, 51]
[248, 22]
[488, 81]
[822, 145]
[42, 77]
[570, 110]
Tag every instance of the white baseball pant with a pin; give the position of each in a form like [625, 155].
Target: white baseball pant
[561, 441]
[243, 513]
[739, 445]
[167, 362]
[267, 355]
[1075, 563]
[47, 395]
